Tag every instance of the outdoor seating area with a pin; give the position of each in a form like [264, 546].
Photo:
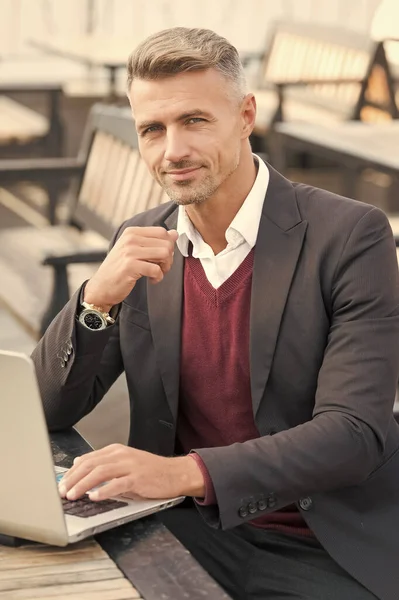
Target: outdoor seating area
[72, 171]
[110, 183]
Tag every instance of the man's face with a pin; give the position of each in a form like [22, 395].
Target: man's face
[190, 132]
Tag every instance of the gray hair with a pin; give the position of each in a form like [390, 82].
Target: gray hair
[181, 49]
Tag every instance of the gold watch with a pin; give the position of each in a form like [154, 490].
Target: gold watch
[94, 318]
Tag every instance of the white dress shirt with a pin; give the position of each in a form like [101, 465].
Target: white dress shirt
[240, 235]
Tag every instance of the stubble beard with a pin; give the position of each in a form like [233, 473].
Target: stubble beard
[184, 193]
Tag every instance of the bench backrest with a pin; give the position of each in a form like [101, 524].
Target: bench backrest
[377, 101]
[116, 183]
[303, 52]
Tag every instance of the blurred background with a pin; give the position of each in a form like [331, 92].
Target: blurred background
[325, 74]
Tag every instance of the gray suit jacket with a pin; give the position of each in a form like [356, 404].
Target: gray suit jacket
[324, 358]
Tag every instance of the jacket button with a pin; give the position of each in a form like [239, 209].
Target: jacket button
[243, 512]
[271, 501]
[262, 504]
[252, 508]
[306, 503]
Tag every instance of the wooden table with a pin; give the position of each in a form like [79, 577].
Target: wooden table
[354, 146]
[82, 571]
[141, 559]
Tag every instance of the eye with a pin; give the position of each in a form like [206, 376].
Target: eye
[150, 129]
[195, 120]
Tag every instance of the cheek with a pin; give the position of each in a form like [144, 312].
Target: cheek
[150, 157]
[228, 146]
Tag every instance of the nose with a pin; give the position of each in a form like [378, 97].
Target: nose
[177, 148]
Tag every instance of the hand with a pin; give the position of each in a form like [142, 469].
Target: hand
[133, 473]
[139, 252]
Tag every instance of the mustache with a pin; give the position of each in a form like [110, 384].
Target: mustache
[181, 164]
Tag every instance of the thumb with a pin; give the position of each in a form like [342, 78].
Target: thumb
[173, 234]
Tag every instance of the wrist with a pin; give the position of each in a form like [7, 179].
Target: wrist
[190, 477]
[95, 300]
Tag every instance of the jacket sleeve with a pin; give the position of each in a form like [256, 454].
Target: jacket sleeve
[344, 441]
[75, 367]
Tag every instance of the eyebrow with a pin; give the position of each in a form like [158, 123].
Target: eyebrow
[187, 115]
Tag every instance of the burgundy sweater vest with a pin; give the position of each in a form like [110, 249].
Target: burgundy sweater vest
[215, 407]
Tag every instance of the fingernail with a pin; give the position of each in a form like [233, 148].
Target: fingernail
[62, 490]
[71, 495]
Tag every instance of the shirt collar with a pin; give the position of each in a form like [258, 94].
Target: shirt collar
[245, 223]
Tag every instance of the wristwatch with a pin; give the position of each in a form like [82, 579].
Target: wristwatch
[93, 317]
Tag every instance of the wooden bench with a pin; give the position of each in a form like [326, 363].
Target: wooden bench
[316, 74]
[39, 267]
[24, 129]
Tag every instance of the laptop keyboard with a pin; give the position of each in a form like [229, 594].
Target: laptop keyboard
[84, 507]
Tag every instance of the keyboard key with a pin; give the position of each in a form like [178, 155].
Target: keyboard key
[84, 507]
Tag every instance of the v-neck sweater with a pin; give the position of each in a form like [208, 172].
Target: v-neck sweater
[215, 406]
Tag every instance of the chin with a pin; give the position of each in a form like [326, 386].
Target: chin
[184, 201]
[185, 197]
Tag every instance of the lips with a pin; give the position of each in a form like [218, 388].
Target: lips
[179, 174]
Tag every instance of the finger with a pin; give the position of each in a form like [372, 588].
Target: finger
[82, 465]
[141, 240]
[173, 234]
[149, 232]
[115, 487]
[164, 265]
[98, 476]
[74, 475]
[151, 270]
[160, 254]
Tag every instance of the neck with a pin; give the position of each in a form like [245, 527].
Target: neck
[212, 218]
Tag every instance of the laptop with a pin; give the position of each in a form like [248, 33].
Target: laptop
[30, 505]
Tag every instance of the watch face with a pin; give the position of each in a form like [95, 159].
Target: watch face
[93, 320]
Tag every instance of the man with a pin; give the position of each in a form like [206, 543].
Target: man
[257, 321]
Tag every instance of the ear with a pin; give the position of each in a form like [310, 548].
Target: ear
[248, 115]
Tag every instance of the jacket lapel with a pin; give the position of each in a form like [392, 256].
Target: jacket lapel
[278, 246]
[279, 242]
[165, 310]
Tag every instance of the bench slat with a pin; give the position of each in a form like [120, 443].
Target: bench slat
[124, 193]
[20, 124]
[116, 178]
[108, 197]
[299, 52]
